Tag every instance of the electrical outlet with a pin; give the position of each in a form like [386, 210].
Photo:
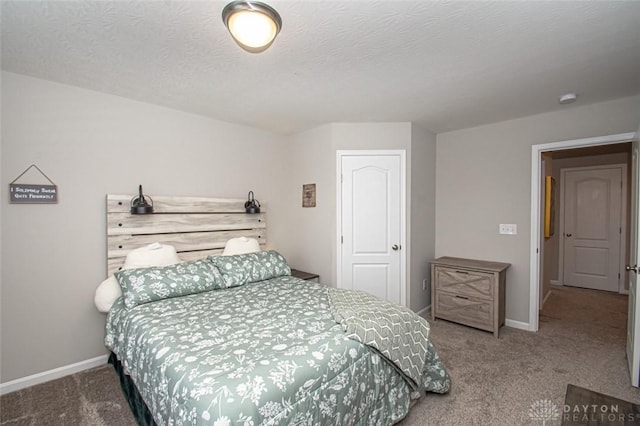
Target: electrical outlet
[424, 285]
[508, 229]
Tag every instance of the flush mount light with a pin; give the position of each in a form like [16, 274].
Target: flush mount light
[567, 98]
[252, 24]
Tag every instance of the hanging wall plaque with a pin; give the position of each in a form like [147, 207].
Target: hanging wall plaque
[22, 193]
[309, 195]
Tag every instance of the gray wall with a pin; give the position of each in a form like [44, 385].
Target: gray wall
[483, 178]
[312, 159]
[423, 214]
[92, 144]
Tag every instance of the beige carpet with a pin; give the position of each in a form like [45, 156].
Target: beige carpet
[495, 381]
[89, 398]
[581, 340]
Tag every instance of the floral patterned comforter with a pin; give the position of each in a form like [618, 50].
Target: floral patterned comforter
[266, 353]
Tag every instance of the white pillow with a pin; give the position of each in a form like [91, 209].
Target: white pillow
[241, 245]
[154, 254]
[106, 294]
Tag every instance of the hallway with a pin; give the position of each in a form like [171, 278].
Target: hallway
[594, 314]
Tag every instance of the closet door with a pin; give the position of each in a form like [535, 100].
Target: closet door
[372, 222]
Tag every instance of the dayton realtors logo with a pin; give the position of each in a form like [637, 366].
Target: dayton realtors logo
[544, 410]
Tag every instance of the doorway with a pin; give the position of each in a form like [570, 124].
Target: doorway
[559, 149]
[371, 223]
[632, 238]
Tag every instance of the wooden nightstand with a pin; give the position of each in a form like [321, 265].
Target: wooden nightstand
[469, 292]
[308, 276]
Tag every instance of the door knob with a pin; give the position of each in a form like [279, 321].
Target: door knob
[396, 247]
[633, 268]
[568, 235]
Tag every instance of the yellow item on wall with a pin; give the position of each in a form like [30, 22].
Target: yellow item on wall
[549, 207]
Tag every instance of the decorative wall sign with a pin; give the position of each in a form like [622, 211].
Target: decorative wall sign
[21, 193]
[309, 195]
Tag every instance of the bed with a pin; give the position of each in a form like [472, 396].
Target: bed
[265, 348]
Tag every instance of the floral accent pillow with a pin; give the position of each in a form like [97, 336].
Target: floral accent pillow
[144, 285]
[251, 267]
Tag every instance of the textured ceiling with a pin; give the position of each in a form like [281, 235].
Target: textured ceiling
[445, 65]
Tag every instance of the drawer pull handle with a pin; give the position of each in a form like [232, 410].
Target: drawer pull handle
[462, 272]
[462, 297]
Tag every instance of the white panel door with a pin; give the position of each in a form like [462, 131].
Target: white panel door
[592, 226]
[633, 320]
[371, 225]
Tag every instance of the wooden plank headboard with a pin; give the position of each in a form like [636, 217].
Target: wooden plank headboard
[196, 226]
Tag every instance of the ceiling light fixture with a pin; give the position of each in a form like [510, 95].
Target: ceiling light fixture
[252, 24]
[567, 98]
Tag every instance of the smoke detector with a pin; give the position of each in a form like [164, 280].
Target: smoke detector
[567, 98]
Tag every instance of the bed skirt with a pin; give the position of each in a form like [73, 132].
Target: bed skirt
[138, 407]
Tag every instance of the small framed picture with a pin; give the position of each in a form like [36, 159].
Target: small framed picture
[309, 195]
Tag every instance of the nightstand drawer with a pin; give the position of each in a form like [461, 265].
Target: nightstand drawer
[465, 282]
[467, 310]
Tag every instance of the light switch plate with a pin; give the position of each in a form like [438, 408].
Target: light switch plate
[508, 229]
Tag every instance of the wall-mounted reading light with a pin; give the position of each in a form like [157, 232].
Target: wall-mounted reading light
[252, 24]
[252, 205]
[139, 204]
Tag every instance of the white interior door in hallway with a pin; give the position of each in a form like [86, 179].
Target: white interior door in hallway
[592, 227]
[372, 223]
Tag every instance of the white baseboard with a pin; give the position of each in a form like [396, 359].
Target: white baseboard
[56, 373]
[509, 323]
[544, 300]
[517, 324]
[424, 310]
[555, 282]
